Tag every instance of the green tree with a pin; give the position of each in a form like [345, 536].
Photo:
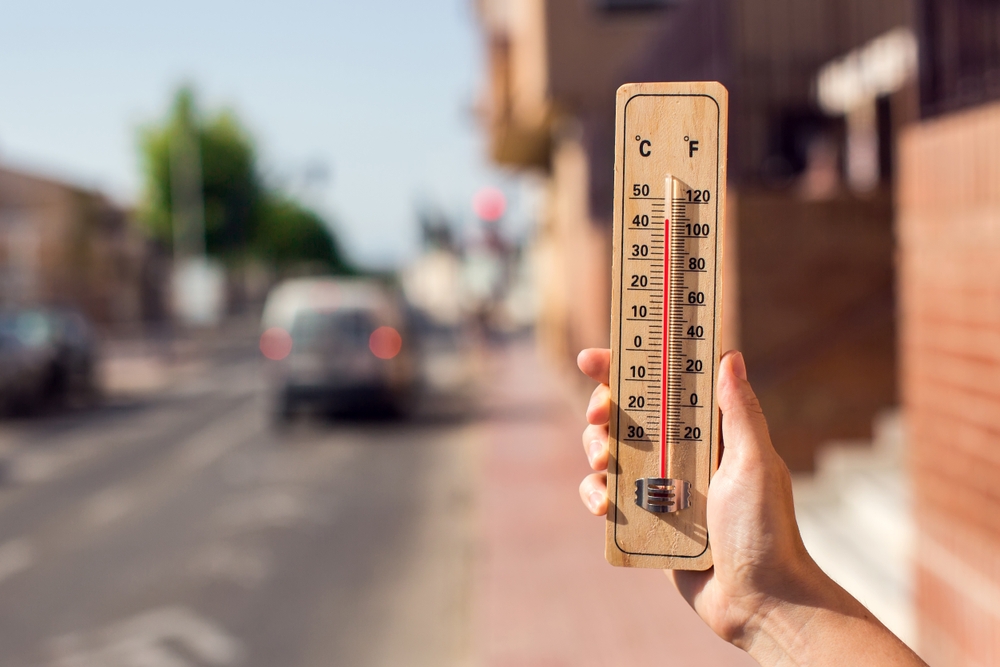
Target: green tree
[290, 234]
[230, 186]
[243, 218]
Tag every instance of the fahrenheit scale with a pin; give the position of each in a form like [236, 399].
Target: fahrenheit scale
[670, 200]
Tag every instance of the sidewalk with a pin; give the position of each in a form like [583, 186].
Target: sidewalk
[146, 362]
[543, 595]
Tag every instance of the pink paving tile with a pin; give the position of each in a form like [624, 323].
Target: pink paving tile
[543, 594]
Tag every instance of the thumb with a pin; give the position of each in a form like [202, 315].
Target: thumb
[744, 429]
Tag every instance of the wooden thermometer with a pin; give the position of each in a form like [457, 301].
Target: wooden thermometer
[670, 203]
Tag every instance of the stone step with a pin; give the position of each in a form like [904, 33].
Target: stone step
[855, 515]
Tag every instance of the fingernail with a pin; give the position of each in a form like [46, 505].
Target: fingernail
[595, 449]
[739, 366]
[595, 499]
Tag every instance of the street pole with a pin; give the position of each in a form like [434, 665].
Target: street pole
[186, 195]
[198, 284]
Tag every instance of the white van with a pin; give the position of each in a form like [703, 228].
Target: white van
[338, 345]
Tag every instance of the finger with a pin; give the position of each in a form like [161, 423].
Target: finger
[691, 584]
[595, 444]
[596, 364]
[594, 493]
[744, 429]
[599, 410]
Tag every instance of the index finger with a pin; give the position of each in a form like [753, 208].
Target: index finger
[596, 363]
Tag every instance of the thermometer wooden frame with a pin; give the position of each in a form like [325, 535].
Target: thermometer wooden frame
[669, 210]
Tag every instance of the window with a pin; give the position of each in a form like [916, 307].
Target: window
[615, 5]
[960, 54]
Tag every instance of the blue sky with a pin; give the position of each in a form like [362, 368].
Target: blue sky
[379, 91]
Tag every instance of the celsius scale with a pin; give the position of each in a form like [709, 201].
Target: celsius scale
[670, 203]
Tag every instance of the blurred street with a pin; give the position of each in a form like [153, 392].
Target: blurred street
[180, 528]
[224, 224]
[177, 527]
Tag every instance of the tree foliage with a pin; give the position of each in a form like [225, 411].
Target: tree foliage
[291, 234]
[243, 217]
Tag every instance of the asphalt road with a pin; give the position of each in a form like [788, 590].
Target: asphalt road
[179, 529]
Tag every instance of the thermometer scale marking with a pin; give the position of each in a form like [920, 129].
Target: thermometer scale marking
[664, 338]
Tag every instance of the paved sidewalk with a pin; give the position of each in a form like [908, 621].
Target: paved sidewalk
[543, 595]
[144, 362]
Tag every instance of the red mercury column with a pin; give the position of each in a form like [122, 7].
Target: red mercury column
[665, 342]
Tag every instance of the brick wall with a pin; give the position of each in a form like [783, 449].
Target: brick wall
[949, 260]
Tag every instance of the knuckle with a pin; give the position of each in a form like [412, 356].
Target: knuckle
[752, 404]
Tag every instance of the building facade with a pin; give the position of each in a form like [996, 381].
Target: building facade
[809, 281]
[949, 242]
[828, 283]
[62, 245]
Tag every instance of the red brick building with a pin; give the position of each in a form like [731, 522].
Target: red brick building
[63, 245]
[828, 291]
[949, 264]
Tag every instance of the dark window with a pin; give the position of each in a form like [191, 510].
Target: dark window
[318, 331]
[612, 5]
[959, 54]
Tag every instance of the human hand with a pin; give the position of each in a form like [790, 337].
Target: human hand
[764, 586]
[755, 540]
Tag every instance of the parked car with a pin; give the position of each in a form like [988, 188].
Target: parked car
[22, 375]
[47, 356]
[338, 345]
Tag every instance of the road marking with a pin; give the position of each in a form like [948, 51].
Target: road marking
[222, 435]
[269, 509]
[242, 565]
[151, 639]
[35, 467]
[15, 556]
[25, 463]
[108, 506]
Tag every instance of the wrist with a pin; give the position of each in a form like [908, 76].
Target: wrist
[817, 624]
[778, 634]
[778, 622]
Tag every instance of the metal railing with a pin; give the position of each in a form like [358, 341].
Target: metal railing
[960, 54]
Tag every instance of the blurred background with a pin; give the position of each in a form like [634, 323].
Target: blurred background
[290, 298]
